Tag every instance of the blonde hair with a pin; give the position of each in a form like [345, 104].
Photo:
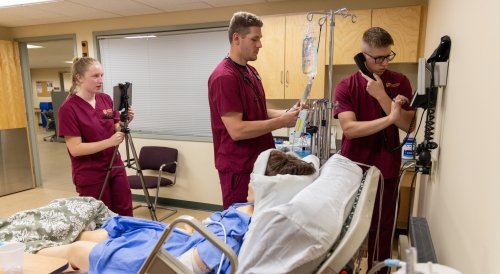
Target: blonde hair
[79, 67]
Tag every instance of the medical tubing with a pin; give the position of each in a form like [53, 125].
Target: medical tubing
[431, 109]
[210, 221]
[407, 134]
[386, 263]
[416, 132]
[377, 235]
[321, 22]
[401, 175]
[412, 185]
[307, 90]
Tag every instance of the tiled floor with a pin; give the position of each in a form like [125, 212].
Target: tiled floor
[57, 183]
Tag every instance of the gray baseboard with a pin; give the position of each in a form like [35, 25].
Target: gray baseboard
[180, 203]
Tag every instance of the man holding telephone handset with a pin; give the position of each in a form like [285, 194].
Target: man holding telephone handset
[372, 105]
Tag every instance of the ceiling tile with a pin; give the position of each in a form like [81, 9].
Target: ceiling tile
[175, 5]
[75, 10]
[78, 10]
[225, 3]
[118, 7]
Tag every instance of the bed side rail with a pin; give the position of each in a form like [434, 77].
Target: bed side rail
[358, 227]
[162, 262]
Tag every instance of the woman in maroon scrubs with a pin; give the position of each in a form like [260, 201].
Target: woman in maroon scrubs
[91, 130]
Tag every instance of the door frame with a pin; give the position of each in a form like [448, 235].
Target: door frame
[28, 95]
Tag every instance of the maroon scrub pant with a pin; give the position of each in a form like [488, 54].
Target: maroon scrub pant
[389, 202]
[234, 188]
[117, 195]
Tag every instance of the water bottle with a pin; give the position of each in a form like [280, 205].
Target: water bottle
[407, 152]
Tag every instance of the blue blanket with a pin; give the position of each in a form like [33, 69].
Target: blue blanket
[131, 241]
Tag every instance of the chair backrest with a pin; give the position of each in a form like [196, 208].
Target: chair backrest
[58, 98]
[153, 157]
[48, 115]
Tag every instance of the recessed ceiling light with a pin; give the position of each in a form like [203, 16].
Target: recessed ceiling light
[35, 46]
[140, 36]
[12, 3]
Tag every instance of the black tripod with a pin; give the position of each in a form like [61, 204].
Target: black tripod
[130, 162]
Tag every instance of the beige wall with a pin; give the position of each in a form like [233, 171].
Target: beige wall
[461, 198]
[197, 179]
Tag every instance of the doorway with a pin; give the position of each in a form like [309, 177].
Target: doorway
[46, 68]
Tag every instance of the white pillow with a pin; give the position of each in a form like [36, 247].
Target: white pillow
[270, 191]
[289, 235]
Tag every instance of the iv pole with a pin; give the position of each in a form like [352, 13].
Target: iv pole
[325, 15]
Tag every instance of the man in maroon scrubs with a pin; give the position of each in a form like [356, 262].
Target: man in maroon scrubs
[91, 130]
[241, 122]
[370, 113]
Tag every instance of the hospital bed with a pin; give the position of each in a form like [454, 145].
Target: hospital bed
[337, 255]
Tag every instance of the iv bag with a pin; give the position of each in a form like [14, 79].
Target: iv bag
[309, 52]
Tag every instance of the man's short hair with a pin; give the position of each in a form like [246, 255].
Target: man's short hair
[241, 22]
[377, 37]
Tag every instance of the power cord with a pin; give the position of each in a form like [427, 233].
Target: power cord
[424, 161]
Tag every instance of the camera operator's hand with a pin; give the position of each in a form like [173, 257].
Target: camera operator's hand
[117, 138]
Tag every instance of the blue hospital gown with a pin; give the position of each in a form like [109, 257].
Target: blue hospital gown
[132, 239]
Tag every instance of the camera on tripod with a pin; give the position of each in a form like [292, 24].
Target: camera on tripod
[122, 99]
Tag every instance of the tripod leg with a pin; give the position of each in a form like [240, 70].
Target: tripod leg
[108, 173]
[152, 210]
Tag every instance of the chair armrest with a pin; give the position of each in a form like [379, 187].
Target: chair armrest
[165, 164]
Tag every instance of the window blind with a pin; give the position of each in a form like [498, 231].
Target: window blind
[169, 75]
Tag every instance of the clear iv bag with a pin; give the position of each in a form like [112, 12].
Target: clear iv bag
[309, 51]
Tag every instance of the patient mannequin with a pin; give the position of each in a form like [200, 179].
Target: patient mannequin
[185, 244]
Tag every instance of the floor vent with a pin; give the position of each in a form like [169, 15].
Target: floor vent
[420, 237]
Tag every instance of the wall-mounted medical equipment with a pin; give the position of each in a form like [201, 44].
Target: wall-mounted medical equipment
[432, 74]
[412, 267]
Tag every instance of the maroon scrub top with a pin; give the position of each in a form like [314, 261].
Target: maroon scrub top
[351, 95]
[236, 88]
[79, 118]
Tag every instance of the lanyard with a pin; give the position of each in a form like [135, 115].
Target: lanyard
[258, 95]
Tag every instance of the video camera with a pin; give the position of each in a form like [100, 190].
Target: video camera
[122, 99]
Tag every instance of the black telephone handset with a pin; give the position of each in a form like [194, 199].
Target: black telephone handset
[360, 62]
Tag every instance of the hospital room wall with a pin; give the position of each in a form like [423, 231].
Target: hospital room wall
[461, 197]
[197, 179]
